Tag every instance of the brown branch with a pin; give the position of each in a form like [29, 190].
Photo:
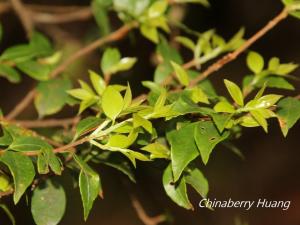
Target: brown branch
[22, 105]
[46, 123]
[116, 35]
[57, 18]
[4, 7]
[23, 15]
[233, 55]
[140, 211]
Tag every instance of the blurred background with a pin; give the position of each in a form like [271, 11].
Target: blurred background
[271, 165]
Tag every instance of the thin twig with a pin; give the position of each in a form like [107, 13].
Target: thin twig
[46, 123]
[23, 15]
[57, 18]
[114, 36]
[233, 55]
[140, 211]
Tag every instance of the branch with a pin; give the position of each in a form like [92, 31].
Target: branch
[116, 35]
[57, 18]
[23, 15]
[233, 55]
[46, 123]
[140, 211]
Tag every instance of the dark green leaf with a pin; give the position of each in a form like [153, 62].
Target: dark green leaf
[207, 137]
[51, 96]
[48, 203]
[183, 148]
[10, 73]
[35, 70]
[196, 179]
[176, 191]
[17, 164]
[288, 113]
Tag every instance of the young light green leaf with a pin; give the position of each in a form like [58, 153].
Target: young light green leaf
[127, 97]
[181, 74]
[176, 191]
[207, 137]
[198, 95]
[157, 150]
[235, 92]
[186, 42]
[48, 203]
[139, 121]
[260, 119]
[17, 164]
[97, 82]
[224, 106]
[112, 103]
[150, 33]
[221, 120]
[255, 62]
[288, 113]
[183, 149]
[110, 58]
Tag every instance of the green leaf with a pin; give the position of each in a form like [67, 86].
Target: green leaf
[198, 95]
[183, 148]
[127, 97]
[150, 33]
[265, 101]
[157, 8]
[80, 94]
[48, 203]
[51, 96]
[221, 120]
[110, 58]
[207, 137]
[35, 70]
[10, 73]
[100, 13]
[224, 106]
[157, 150]
[288, 113]
[85, 125]
[260, 119]
[97, 82]
[4, 183]
[235, 92]
[17, 164]
[139, 121]
[255, 62]
[118, 162]
[18, 53]
[186, 42]
[112, 102]
[196, 179]
[181, 74]
[89, 184]
[132, 7]
[292, 3]
[176, 191]
[28, 144]
[202, 2]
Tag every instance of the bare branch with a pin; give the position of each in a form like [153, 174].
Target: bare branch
[47, 123]
[140, 211]
[23, 15]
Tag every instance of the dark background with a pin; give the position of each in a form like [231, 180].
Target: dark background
[271, 166]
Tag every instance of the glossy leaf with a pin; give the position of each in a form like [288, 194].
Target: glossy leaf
[207, 137]
[112, 103]
[255, 62]
[235, 92]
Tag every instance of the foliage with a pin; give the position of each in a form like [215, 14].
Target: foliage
[179, 123]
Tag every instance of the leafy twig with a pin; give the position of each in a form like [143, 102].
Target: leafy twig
[233, 55]
[114, 36]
